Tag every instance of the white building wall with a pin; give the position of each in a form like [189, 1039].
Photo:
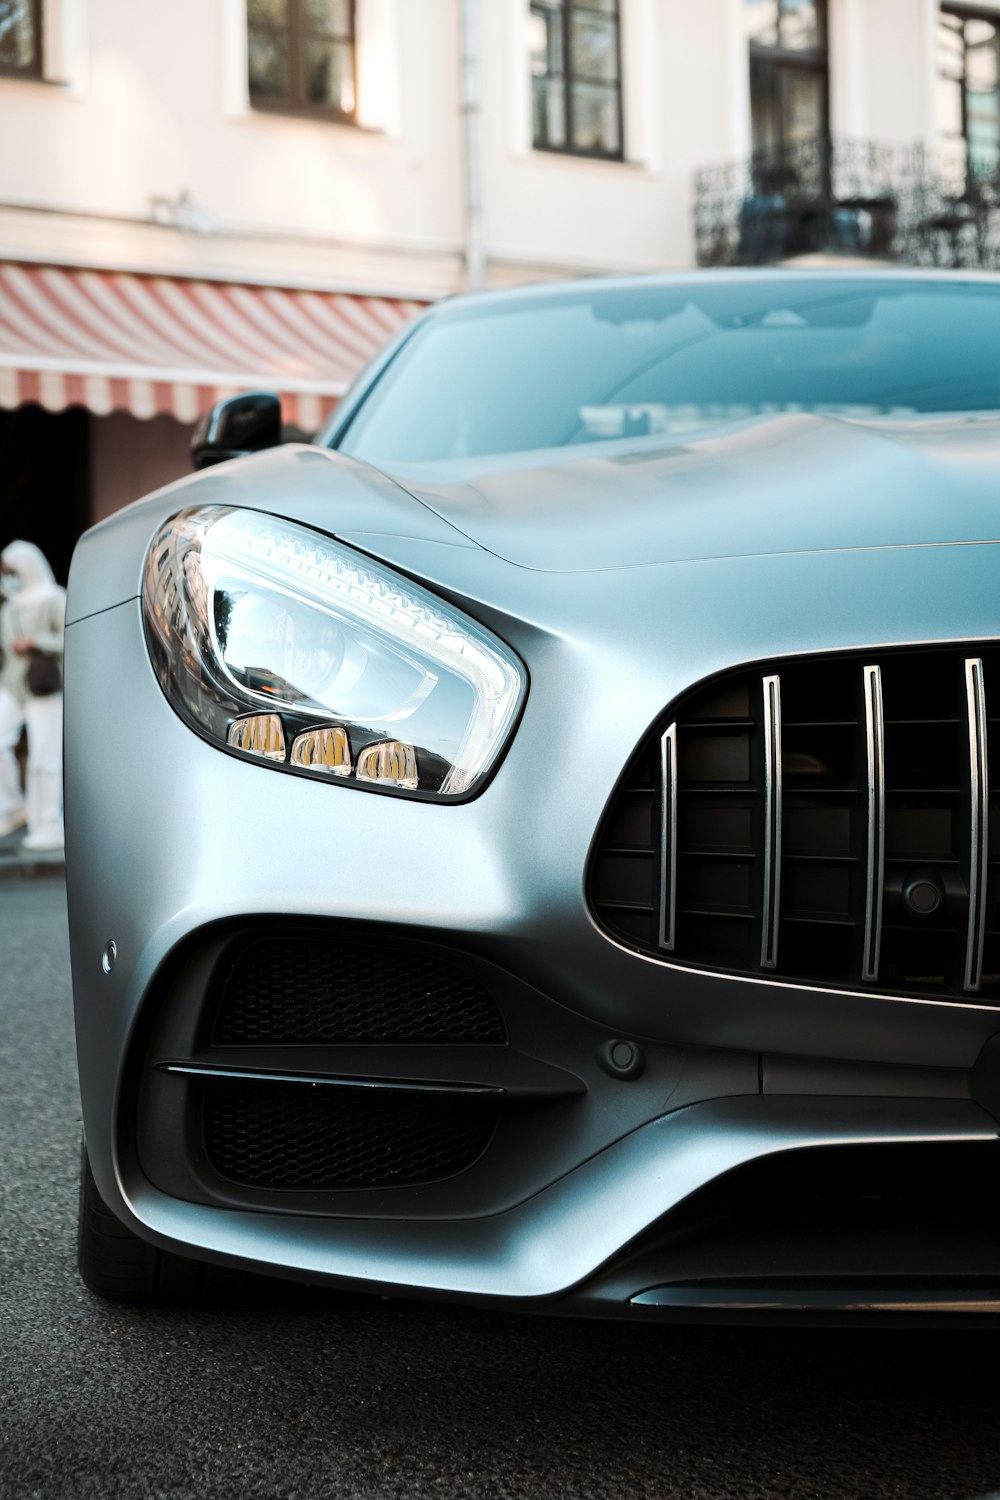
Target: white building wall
[899, 42]
[678, 70]
[144, 101]
[160, 110]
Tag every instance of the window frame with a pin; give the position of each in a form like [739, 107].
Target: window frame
[296, 35]
[570, 78]
[965, 13]
[36, 70]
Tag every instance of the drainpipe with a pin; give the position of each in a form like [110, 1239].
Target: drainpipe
[475, 244]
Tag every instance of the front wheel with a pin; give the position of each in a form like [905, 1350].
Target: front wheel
[118, 1265]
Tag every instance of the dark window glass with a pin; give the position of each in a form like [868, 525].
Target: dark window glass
[969, 97]
[21, 37]
[662, 362]
[301, 56]
[576, 77]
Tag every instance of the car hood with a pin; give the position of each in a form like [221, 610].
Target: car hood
[788, 483]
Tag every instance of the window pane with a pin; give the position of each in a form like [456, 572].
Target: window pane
[980, 33]
[800, 26]
[984, 149]
[765, 113]
[267, 12]
[330, 75]
[950, 50]
[539, 33]
[17, 34]
[803, 100]
[761, 21]
[547, 43]
[603, 7]
[594, 48]
[981, 66]
[595, 118]
[268, 60]
[329, 17]
[983, 130]
[549, 111]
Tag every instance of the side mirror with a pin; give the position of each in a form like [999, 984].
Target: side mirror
[238, 425]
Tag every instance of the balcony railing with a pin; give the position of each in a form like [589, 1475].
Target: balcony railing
[852, 197]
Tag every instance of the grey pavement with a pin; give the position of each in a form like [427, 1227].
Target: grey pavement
[274, 1391]
[18, 863]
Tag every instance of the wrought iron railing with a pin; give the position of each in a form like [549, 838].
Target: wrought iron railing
[855, 197]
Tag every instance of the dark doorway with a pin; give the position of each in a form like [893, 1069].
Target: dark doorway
[789, 89]
[44, 481]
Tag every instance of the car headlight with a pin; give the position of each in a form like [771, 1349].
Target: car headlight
[281, 644]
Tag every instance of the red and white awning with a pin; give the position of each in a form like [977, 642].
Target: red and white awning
[111, 341]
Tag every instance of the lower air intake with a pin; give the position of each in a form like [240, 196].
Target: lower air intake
[267, 1135]
[288, 990]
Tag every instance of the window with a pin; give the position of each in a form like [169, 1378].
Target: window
[969, 96]
[21, 37]
[576, 77]
[301, 56]
[789, 87]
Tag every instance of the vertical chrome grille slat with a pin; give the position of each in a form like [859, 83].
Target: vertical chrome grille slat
[772, 823]
[668, 813]
[875, 870]
[979, 821]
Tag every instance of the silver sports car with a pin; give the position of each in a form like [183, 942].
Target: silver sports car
[535, 844]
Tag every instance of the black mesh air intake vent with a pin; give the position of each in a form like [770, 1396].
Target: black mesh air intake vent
[826, 820]
[271, 1135]
[291, 990]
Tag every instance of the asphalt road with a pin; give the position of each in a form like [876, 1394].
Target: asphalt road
[280, 1392]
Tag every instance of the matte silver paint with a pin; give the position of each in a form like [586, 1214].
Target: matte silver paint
[553, 1242]
[763, 485]
[621, 580]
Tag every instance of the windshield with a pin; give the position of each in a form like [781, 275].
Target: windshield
[617, 361]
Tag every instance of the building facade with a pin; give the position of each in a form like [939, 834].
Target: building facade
[211, 194]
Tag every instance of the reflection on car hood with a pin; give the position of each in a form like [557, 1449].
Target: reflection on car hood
[773, 484]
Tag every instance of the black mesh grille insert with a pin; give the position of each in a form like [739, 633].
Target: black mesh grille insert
[826, 820]
[287, 990]
[274, 1135]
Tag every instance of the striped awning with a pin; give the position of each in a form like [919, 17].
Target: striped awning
[112, 341]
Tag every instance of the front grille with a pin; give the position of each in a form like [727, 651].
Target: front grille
[261, 1134]
[298, 990]
[824, 820]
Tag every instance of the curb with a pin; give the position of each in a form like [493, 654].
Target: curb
[18, 864]
[31, 869]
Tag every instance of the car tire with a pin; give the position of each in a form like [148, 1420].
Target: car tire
[117, 1265]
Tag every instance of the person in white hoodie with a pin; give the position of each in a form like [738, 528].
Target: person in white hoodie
[12, 810]
[32, 621]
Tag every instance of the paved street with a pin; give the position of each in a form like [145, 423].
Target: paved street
[297, 1394]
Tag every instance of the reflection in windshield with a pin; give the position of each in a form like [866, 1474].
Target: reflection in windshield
[559, 368]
